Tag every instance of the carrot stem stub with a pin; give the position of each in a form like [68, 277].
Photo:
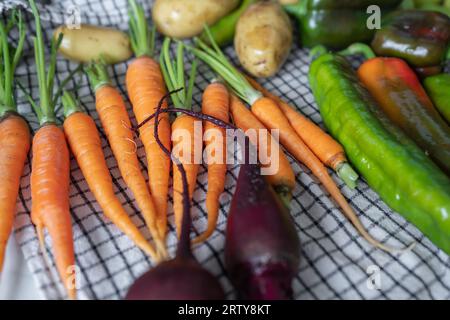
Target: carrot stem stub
[50, 198]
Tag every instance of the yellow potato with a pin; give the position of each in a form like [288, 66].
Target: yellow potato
[263, 38]
[90, 42]
[185, 18]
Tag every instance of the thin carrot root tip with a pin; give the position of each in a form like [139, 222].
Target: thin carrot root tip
[348, 175]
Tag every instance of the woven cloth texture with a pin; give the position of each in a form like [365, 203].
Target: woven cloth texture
[336, 262]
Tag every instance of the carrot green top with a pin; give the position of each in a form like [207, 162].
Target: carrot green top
[45, 111]
[9, 58]
[98, 74]
[70, 104]
[173, 72]
[141, 36]
[218, 62]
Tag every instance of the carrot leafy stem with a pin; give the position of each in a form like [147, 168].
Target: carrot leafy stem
[217, 61]
[47, 101]
[174, 75]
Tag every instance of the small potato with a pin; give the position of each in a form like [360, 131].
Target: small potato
[185, 18]
[263, 38]
[90, 42]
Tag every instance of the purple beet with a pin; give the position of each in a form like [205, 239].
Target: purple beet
[262, 249]
[182, 278]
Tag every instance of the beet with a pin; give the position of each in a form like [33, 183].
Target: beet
[262, 249]
[181, 278]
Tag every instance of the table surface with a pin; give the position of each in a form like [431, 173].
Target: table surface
[16, 280]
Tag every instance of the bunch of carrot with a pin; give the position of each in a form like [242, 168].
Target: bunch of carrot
[294, 130]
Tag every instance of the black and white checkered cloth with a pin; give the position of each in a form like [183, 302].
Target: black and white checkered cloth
[336, 262]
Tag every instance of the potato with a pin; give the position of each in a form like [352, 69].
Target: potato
[185, 18]
[263, 38]
[90, 42]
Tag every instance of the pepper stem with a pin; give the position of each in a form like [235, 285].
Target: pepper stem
[347, 174]
[359, 48]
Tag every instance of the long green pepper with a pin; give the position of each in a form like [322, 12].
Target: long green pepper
[391, 163]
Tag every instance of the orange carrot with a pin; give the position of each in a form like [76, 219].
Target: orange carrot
[14, 132]
[50, 198]
[328, 150]
[283, 180]
[116, 123]
[14, 145]
[145, 85]
[216, 102]
[84, 141]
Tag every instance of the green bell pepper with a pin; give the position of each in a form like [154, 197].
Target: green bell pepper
[335, 24]
[438, 88]
[392, 164]
[419, 37]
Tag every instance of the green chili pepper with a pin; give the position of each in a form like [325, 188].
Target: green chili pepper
[335, 24]
[438, 87]
[419, 37]
[223, 30]
[399, 171]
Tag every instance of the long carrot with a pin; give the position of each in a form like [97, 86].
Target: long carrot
[116, 123]
[283, 181]
[185, 137]
[328, 150]
[14, 132]
[84, 141]
[216, 102]
[50, 167]
[268, 112]
[145, 85]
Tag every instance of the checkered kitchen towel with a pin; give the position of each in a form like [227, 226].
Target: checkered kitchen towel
[336, 262]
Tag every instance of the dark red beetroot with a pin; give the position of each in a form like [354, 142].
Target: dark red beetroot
[182, 278]
[262, 249]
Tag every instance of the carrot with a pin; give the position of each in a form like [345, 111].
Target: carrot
[283, 181]
[328, 150]
[14, 132]
[84, 141]
[50, 167]
[185, 137]
[116, 123]
[268, 112]
[216, 102]
[50, 196]
[145, 85]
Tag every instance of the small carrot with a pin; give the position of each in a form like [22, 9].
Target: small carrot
[49, 179]
[328, 150]
[216, 102]
[185, 137]
[84, 141]
[116, 123]
[145, 85]
[268, 112]
[283, 181]
[14, 132]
